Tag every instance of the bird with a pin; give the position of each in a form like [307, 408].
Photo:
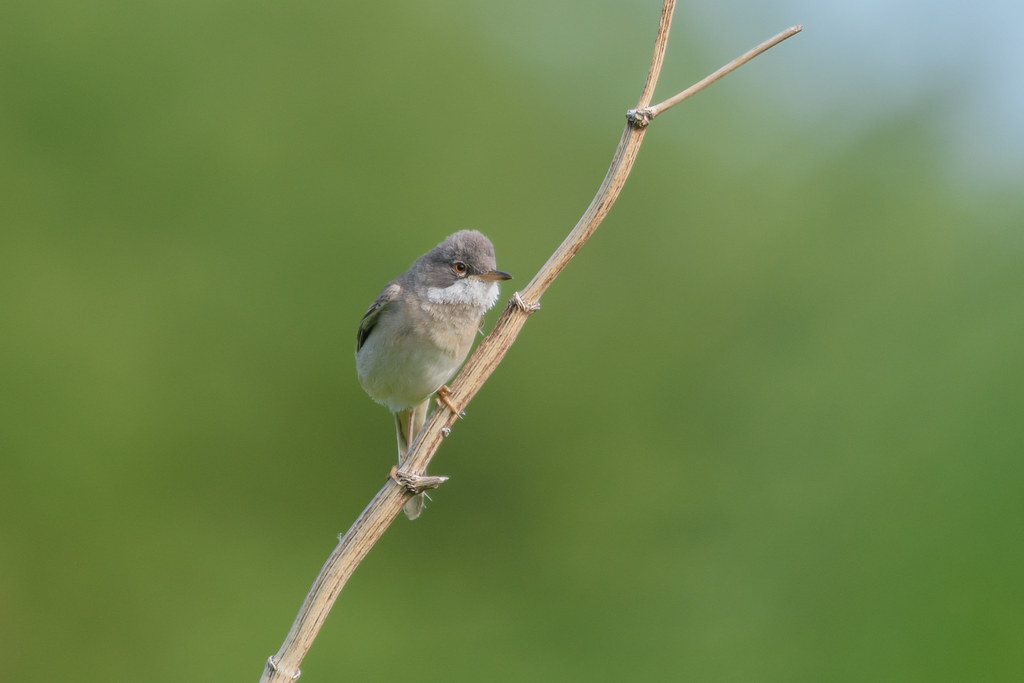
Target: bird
[420, 328]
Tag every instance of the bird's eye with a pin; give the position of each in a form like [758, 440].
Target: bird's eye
[459, 267]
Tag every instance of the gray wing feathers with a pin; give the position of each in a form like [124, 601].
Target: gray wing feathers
[369, 320]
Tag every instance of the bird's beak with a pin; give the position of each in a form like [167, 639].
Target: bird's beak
[493, 276]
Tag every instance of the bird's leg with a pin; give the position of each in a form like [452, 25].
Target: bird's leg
[444, 396]
[409, 436]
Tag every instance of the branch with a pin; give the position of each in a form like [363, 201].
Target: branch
[411, 479]
[644, 114]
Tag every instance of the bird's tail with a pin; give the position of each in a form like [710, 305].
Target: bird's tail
[408, 424]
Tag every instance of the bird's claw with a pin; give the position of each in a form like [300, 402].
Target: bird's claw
[444, 397]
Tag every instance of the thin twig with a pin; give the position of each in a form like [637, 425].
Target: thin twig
[724, 71]
[385, 506]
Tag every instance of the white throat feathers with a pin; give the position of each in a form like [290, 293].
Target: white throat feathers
[468, 292]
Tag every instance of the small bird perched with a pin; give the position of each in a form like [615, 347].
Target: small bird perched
[420, 329]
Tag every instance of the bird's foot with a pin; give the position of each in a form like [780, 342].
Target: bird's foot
[444, 397]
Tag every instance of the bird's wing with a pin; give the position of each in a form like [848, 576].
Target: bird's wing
[372, 314]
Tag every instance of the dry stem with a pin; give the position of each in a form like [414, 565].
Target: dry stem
[385, 506]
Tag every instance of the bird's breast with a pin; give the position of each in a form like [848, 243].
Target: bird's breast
[415, 349]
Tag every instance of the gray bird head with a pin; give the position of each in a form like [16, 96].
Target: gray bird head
[465, 255]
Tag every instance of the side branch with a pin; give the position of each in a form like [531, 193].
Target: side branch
[649, 113]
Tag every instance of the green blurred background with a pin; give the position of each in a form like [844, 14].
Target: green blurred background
[768, 425]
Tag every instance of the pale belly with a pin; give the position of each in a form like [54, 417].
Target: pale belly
[400, 367]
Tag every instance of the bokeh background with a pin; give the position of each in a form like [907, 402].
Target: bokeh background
[768, 426]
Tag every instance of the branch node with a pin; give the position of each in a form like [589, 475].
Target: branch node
[272, 666]
[640, 117]
[415, 483]
[518, 302]
[445, 431]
